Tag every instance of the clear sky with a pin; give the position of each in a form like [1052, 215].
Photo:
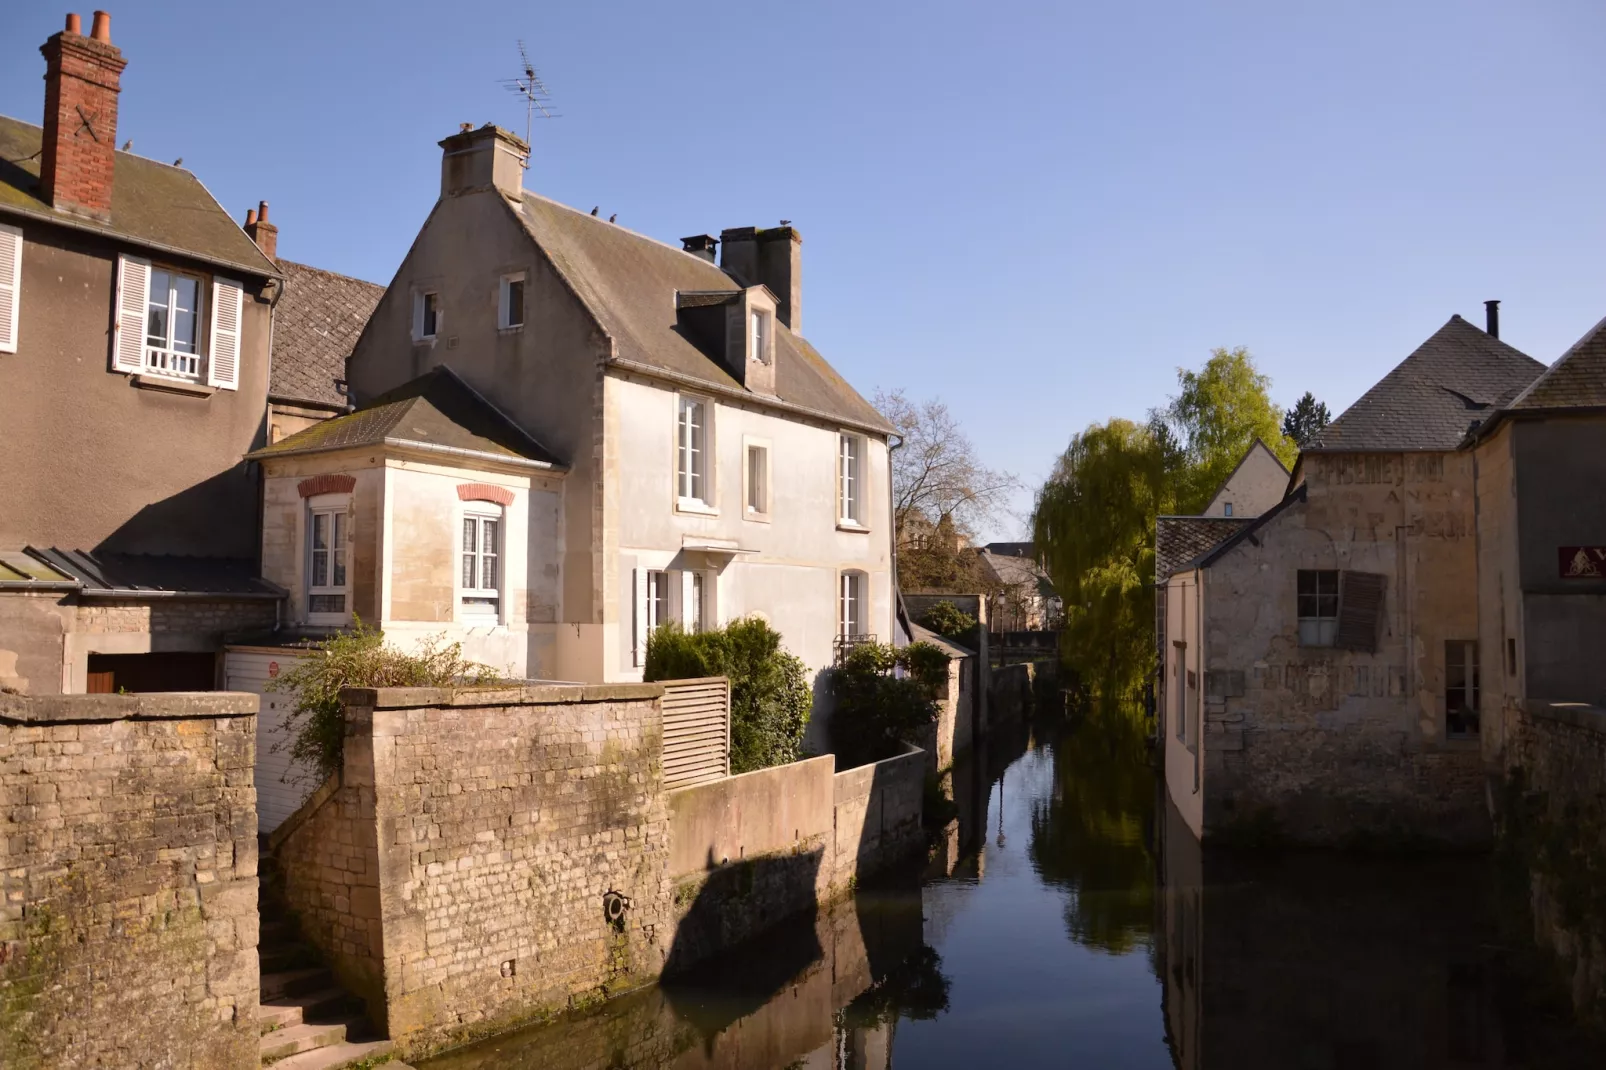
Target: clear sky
[1033, 211]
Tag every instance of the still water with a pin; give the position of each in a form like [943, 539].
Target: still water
[1066, 919]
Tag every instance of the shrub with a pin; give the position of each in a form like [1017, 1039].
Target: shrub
[315, 729]
[949, 621]
[873, 708]
[770, 694]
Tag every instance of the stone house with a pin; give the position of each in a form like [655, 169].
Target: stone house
[1022, 598]
[1321, 673]
[134, 347]
[687, 455]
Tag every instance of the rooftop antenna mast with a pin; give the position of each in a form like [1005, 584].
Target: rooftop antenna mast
[537, 100]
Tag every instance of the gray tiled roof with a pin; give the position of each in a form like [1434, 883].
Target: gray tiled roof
[153, 205]
[158, 574]
[1576, 381]
[437, 409]
[315, 325]
[1435, 396]
[629, 282]
[1180, 539]
[1015, 570]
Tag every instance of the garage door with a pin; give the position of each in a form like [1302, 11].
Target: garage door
[281, 786]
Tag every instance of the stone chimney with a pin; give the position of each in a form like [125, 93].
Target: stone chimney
[700, 245]
[487, 158]
[771, 257]
[259, 230]
[82, 80]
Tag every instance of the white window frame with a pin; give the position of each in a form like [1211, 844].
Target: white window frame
[338, 508]
[850, 497]
[1317, 629]
[694, 454]
[659, 609]
[421, 298]
[480, 610]
[504, 301]
[852, 604]
[697, 617]
[757, 485]
[760, 335]
[164, 359]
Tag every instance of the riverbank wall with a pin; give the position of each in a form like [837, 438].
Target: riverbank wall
[1553, 825]
[491, 856]
[128, 898]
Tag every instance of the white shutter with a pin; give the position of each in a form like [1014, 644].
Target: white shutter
[418, 316]
[638, 643]
[223, 354]
[133, 297]
[10, 286]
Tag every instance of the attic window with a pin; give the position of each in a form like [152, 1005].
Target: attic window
[759, 347]
[510, 303]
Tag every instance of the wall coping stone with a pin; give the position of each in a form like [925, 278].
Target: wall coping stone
[157, 706]
[533, 694]
[1578, 714]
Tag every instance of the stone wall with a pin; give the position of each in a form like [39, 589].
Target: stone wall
[128, 927]
[877, 816]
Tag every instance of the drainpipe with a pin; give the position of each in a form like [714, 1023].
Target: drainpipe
[892, 527]
[1199, 656]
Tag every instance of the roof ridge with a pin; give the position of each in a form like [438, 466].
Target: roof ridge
[618, 226]
[1588, 337]
[325, 271]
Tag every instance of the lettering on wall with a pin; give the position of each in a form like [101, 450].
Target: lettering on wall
[1582, 562]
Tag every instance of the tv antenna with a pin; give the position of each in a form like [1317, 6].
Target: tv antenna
[537, 101]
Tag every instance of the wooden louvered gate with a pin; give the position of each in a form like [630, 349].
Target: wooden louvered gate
[697, 731]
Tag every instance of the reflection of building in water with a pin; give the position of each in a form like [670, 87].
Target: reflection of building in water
[1341, 962]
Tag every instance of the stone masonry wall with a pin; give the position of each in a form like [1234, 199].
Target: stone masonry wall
[128, 924]
[876, 815]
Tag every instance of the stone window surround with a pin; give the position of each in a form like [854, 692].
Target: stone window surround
[760, 516]
[706, 505]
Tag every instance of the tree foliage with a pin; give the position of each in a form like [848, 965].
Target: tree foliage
[949, 621]
[874, 707]
[770, 693]
[315, 729]
[1303, 422]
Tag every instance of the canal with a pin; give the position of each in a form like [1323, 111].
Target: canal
[1066, 919]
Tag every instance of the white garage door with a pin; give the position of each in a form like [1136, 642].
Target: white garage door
[281, 786]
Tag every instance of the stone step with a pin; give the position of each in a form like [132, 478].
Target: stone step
[294, 982]
[277, 931]
[337, 1056]
[282, 958]
[325, 1005]
[278, 1015]
[295, 1039]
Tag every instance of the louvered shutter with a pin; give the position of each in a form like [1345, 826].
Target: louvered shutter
[638, 643]
[133, 297]
[10, 286]
[1360, 610]
[223, 359]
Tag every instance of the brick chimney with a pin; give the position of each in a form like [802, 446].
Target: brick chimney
[771, 256]
[259, 230]
[82, 76]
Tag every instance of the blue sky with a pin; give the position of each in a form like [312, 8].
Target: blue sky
[1033, 211]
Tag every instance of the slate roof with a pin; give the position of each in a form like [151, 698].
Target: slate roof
[315, 326]
[1432, 398]
[629, 282]
[153, 205]
[1180, 539]
[919, 633]
[436, 409]
[1012, 549]
[1014, 570]
[1576, 381]
[157, 575]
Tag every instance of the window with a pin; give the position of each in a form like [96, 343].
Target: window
[482, 564]
[691, 452]
[1461, 688]
[851, 607]
[760, 341]
[426, 316]
[510, 304]
[1318, 606]
[699, 591]
[172, 324]
[1226, 508]
[850, 485]
[657, 600]
[326, 562]
[758, 480]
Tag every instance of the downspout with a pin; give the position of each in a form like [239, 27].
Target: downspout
[1198, 701]
[898, 612]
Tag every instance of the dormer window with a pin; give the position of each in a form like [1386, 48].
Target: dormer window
[759, 330]
[426, 316]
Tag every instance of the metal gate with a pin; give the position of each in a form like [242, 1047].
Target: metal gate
[697, 731]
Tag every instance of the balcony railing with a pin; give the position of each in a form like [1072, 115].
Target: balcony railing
[172, 363]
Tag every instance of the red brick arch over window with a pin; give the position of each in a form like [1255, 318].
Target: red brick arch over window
[326, 484]
[484, 492]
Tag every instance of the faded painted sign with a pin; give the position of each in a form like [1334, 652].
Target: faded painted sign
[1582, 562]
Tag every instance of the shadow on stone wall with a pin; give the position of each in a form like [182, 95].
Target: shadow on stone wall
[734, 901]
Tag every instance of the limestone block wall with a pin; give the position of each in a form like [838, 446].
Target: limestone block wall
[128, 900]
[877, 814]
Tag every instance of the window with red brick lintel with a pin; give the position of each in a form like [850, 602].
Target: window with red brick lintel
[484, 492]
[329, 483]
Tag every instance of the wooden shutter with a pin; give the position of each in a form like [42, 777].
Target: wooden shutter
[10, 286]
[223, 354]
[1360, 610]
[638, 643]
[133, 297]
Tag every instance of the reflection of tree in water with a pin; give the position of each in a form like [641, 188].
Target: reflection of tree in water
[915, 989]
[1092, 834]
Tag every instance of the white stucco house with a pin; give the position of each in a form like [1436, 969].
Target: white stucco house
[567, 433]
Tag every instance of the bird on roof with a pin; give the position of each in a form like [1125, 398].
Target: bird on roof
[613, 217]
[128, 145]
[594, 209]
[179, 162]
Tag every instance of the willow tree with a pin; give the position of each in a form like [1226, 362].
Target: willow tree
[1094, 527]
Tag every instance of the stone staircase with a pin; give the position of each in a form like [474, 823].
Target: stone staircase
[308, 1021]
